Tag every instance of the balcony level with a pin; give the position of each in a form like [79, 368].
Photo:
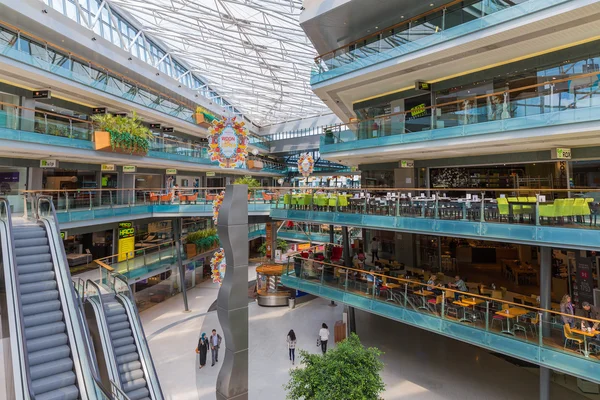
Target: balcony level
[433, 49]
[523, 216]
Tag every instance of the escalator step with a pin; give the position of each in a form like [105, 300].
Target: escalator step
[134, 385]
[31, 242]
[48, 355]
[123, 341]
[130, 348]
[54, 382]
[126, 358]
[129, 367]
[66, 393]
[138, 394]
[44, 330]
[26, 251]
[118, 326]
[51, 368]
[112, 311]
[32, 309]
[38, 287]
[43, 319]
[116, 318]
[131, 376]
[20, 234]
[36, 277]
[33, 259]
[40, 267]
[120, 334]
[39, 297]
[47, 342]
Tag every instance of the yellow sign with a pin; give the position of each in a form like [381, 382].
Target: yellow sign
[108, 167]
[303, 246]
[418, 110]
[126, 241]
[171, 171]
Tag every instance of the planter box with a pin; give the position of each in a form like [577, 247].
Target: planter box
[202, 120]
[190, 250]
[102, 143]
[255, 164]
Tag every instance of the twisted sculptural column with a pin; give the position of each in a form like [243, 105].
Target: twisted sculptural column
[232, 302]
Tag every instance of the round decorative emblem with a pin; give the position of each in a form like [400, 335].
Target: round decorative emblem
[217, 265]
[228, 143]
[306, 164]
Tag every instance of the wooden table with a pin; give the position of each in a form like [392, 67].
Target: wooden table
[464, 307]
[472, 301]
[391, 295]
[585, 335]
[514, 312]
[423, 294]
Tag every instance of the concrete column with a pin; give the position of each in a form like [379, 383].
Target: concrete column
[176, 222]
[232, 301]
[273, 239]
[544, 383]
[404, 248]
[35, 179]
[346, 247]
[28, 116]
[545, 286]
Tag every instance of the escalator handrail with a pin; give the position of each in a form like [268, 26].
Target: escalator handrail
[113, 368]
[143, 348]
[51, 223]
[21, 328]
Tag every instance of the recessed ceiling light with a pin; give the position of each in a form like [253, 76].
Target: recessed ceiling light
[376, 27]
[431, 5]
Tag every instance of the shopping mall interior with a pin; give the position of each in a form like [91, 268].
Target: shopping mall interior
[193, 193]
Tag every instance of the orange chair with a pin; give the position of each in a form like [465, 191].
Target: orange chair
[191, 197]
[267, 197]
[182, 198]
[153, 198]
[166, 198]
[210, 197]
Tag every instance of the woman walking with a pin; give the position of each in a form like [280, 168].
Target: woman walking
[291, 341]
[324, 336]
[202, 349]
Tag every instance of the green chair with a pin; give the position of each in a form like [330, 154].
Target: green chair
[321, 201]
[343, 201]
[569, 210]
[333, 201]
[526, 209]
[502, 207]
[550, 210]
[516, 209]
[581, 209]
[287, 200]
[561, 208]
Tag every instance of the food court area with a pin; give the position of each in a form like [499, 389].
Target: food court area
[489, 285]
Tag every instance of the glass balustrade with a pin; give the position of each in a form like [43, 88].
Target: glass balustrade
[440, 25]
[483, 316]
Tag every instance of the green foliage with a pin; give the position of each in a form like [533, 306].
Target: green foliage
[281, 245]
[247, 180]
[125, 133]
[205, 239]
[347, 372]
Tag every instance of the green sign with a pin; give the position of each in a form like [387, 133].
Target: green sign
[420, 85]
[48, 164]
[563, 153]
[63, 235]
[126, 230]
[210, 173]
[129, 169]
[171, 171]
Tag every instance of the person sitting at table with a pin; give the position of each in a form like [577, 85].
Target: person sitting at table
[591, 312]
[433, 284]
[566, 307]
[458, 284]
[373, 278]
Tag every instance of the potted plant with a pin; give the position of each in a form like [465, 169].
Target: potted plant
[203, 116]
[120, 134]
[250, 181]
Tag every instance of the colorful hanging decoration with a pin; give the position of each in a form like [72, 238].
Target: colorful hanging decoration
[306, 164]
[217, 265]
[217, 206]
[228, 143]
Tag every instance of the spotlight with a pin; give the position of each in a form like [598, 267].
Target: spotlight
[45, 11]
[157, 74]
[93, 39]
[129, 59]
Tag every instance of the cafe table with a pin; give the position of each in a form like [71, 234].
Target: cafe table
[424, 294]
[391, 287]
[464, 308]
[586, 334]
[514, 312]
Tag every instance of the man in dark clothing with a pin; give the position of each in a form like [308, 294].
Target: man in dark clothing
[215, 343]
[591, 312]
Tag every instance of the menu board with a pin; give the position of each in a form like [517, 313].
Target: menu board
[584, 280]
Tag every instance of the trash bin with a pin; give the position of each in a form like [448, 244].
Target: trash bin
[292, 303]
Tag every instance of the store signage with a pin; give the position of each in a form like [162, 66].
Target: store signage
[425, 86]
[126, 241]
[210, 173]
[42, 94]
[100, 110]
[171, 171]
[228, 143]
[48, 163]
[129, 169]
[168, 130]
[269, 240]
[303, 246]
[9, 177]
[154, 126]
[63, 235]
[306, 164]
[407, 164]
[108, 167]
[561, 153]
[584, 282]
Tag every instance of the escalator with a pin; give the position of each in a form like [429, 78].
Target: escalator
[116, 330]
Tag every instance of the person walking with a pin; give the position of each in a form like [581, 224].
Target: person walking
[291, 341]
[374, 250]
[215, 343]
[324, 337]
[202, 349]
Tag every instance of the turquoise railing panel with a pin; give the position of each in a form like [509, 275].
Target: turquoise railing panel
[528, 350]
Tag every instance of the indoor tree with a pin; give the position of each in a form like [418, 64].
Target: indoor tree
[347, 372]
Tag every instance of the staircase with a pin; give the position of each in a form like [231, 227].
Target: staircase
[127, 357]
[47, 343]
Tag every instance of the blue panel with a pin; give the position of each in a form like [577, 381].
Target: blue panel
[349, 219]
[63, 217]
[118, 211]
[103, 213]
[81, 215]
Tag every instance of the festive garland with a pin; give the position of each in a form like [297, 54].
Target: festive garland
[217, 265]
[217, 206]
[235, 137]
[306, 164]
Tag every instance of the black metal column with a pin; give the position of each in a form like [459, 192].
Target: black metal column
[177, 229]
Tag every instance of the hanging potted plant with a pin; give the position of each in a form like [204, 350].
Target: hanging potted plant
[118, 134]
